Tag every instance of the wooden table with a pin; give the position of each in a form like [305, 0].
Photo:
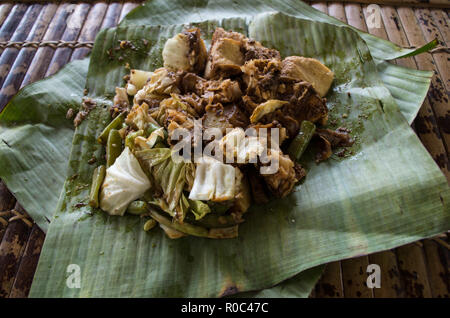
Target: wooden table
[421, 269]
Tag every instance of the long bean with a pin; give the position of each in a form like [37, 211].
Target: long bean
[113, 147]
[226, 232]
[137, 207]
[114, 124]
[213, 221]
[301, 141]
[97, 181]
[129, 140]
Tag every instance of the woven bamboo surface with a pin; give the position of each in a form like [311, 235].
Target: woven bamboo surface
[35, 42]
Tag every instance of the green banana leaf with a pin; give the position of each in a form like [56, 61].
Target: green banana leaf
[388, 193]
[36, 137]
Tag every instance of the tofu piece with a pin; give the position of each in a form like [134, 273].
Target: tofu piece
[225, 57]
[310, 70]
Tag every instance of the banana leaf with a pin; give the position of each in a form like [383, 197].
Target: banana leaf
[389, 192]
[36, 137]
[407, 86]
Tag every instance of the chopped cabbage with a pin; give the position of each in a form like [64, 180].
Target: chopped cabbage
[125, 181]
[266, 108]
[236, 145]
[213, 181]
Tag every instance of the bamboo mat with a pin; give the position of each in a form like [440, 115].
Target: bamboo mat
[35, 42]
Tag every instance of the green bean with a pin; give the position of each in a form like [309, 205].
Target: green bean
[113, 147]
[226, 232]
[150, 224]
[137, 207]
[301, 141]
[151, 128]
[160, 145]
[214, 221]
[97, 181]
[182, 227]
[129, 140]
[116, 123]
[220, 208]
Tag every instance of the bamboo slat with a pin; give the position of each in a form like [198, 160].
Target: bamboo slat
[413, 270]
[22, 282]
[7, 202]
[330, 284]
[438, 274]
[336, 9]
[12, 21]
[11, 249]
[355, 16]
[5, 8]
[354, 278]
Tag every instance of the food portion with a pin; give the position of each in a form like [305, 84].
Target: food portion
[193, 144]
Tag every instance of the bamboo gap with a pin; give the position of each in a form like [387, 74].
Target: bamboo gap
[90, 28]
[11, 249]
[25, 55]
[437, 271]
[22, 282]
[330, 284]
[23, 29]
[438, 105]
[76, 20]
[354, 278]
[413, 271]
[41, 59]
